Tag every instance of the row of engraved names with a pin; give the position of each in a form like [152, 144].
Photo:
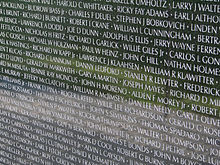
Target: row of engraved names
[137, 7]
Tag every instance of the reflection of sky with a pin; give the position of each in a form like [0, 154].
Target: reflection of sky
[67, 126]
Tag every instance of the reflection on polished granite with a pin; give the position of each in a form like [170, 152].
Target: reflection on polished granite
[47, 125]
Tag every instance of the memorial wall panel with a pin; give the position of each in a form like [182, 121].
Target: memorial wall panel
[109, 82]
